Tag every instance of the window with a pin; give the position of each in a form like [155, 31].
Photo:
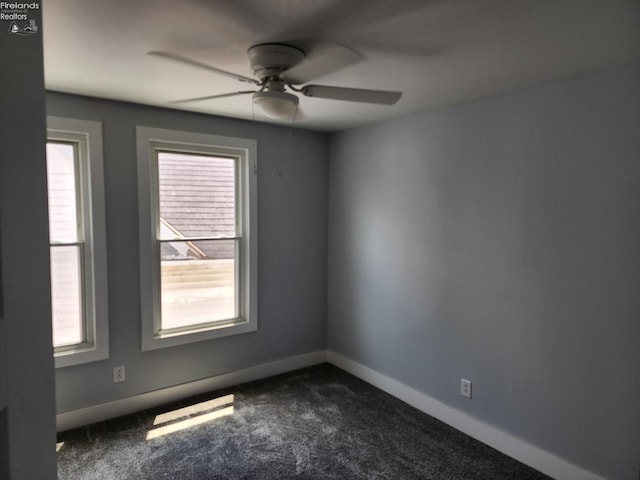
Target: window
[198, 236]
[77, 241]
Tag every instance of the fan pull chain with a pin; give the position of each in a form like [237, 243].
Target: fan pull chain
[287, 143]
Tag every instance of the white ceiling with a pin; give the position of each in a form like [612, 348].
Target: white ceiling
[437, 52]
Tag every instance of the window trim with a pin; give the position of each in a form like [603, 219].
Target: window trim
[87, 135]
[149, 141]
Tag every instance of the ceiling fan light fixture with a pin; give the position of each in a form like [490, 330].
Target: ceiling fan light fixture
[276, 105]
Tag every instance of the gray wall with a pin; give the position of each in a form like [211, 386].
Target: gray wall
[292, 256]
[499, 241]
[27, 422]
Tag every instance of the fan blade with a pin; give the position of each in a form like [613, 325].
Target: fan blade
[188, 61]
[321, 61]
[381, 97]
[211, 97]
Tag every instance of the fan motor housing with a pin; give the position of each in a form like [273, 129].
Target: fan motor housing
[272, 59]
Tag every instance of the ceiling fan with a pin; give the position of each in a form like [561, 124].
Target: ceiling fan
[273, 66]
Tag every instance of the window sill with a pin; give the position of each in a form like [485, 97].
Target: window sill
[175, 338]
[80, 355]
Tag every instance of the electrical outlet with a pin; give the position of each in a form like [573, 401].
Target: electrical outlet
[118, 374]
[465, 388]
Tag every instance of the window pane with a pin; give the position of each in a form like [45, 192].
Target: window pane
[197, 195]
[61, 181]
[198, 281]
[66, 295]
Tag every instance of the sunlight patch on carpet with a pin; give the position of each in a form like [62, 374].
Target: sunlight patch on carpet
[192, 416]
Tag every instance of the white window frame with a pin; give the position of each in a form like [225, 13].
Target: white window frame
[244, 151]
[86, 135]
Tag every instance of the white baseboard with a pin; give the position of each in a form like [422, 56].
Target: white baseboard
[530, 455]
[124, 406]
[535, 457]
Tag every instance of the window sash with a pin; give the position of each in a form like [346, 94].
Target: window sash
[61, 296]
[78, 180]
[84, 332]
[204, 293]
[201, 153]
[160, 323]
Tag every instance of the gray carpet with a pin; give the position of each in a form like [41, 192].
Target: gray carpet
[315, 423]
